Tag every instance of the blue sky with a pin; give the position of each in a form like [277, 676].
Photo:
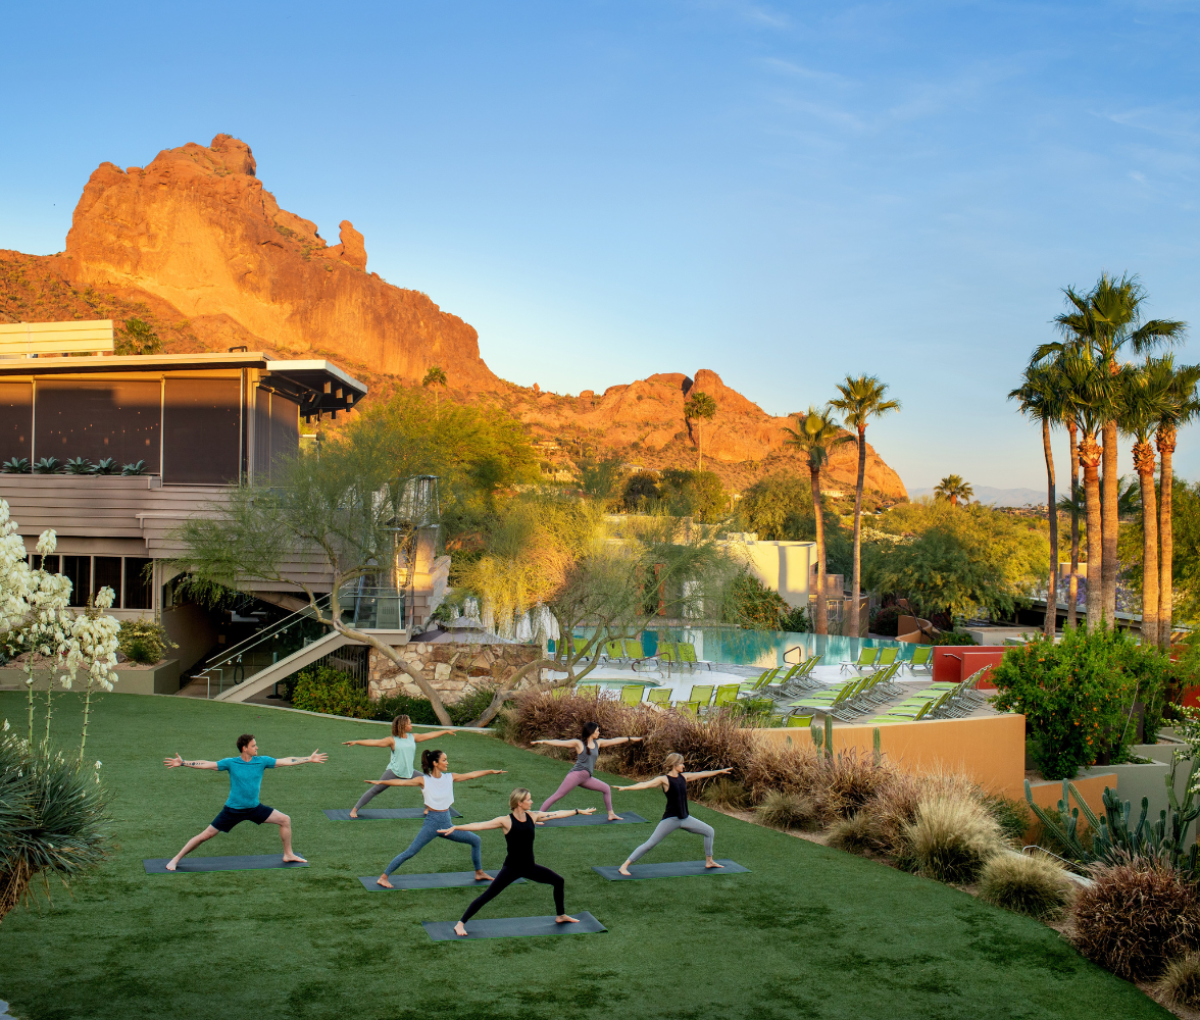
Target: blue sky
[783, 193]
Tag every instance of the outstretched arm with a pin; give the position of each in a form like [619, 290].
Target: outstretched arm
[316, 758]
[648, 784]
[575, 745]
[496, 823]
[621, 740]
[689, 776]
[418, 737]
[541, 816]
[414, 781]
[461, 776]
[380, 742]
[177, 761]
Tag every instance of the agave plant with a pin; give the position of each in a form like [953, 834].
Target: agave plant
[47, 466]
[107, 466]
[79, 466]
[16, 466]
[134, 469]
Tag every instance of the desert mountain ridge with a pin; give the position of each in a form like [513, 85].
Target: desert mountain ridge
[195, 245]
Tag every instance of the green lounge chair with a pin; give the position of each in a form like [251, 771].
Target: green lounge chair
[922, 659]
[632, 694]
[799, 720]
[587, 690]
[765, 679]
[773, 722]
[702, 694]
[659, 696]
[687, 654]
[886, 657]
[866, 659]
[897, 716]
[727, 694]
[668, 654]
[684, 700]
[691, 707]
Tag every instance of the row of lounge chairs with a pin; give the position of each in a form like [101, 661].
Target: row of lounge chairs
[670, 653]
[853, 698]
[940, 701]
[881, 658]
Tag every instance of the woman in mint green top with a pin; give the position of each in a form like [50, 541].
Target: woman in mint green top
[403, 745]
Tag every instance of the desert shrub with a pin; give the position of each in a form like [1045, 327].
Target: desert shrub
[953, 637]
[143, 641]
[886, 620]
[859, 834]
[1013, 817]
[785, 769]
[851, 781]
[1180, 982]
[726, 793]
[1136, 917]
[1027, 885]
[419, 710]
[789, 811]
[952, 836]
[327, 690]
[751, 604]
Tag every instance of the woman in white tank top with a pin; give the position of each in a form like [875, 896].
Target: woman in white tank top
[403, 745]
[437, 788]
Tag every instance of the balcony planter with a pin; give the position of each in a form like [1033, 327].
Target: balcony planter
[161, 678]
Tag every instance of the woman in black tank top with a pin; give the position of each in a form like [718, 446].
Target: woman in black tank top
[673, 782]
[518, 834]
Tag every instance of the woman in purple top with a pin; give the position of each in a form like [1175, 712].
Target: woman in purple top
[587, 749]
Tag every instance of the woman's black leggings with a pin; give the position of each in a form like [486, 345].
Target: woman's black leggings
[506, 877]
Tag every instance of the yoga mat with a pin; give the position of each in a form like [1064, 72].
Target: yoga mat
[673, 869]
[511, 927]
[366, 814]
[158, 866]
[596, 819]
[437, 880]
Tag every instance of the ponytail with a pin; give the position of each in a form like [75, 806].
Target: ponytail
[428, 760]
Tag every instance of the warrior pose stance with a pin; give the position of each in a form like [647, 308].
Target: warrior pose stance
[674, 784]
[587, 746]
[518, 834]
[245, 782]
[437, 787]
[403, 745]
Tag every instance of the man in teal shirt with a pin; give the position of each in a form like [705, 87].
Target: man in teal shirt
[243, 805]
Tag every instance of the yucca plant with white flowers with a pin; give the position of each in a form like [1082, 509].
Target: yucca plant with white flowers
[93, 648]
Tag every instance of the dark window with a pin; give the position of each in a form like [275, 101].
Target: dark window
[98, 420]
[79, 570]
[202, 431]
[52, 563]
[107, 574]
[138, 589]
[276, 433]
[16, 420]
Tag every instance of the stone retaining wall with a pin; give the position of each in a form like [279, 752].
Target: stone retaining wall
[450, 668]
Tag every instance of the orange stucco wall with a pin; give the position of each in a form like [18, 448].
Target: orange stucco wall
[989, 750]
[1091, 789]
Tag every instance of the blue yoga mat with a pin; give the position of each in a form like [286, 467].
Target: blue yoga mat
[627, 817]
[158, 866]
[672, 869]
[436, 880]
[367, 814]
[512, 927]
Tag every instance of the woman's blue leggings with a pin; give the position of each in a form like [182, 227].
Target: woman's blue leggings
[429, 832]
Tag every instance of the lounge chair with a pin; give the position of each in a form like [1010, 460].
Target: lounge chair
[767, 679]
[687, 654]
[866, 659]
[613, 651]
[773, 721]
[837, 706]
[687, 697]
[587, 690]
[702, 694]
[632, 694]
[885, 658]
[659, 696]
[900, 714]
[690, 707]
[727, 694]
[922, 659]
[667, 654]
[799, 720]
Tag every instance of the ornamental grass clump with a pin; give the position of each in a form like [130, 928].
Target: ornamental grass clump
[1136, 917]
[952, 836]
[726, 793]
[1036, 886]
[789, 811]
[859, 834]
[851, 781]
[1180, 982]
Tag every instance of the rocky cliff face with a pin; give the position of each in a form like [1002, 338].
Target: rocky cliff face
[194, 244]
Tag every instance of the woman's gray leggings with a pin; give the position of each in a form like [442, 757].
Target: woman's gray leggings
[669, 825]
[375, 791]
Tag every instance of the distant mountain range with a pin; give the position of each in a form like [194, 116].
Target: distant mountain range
[996, 497]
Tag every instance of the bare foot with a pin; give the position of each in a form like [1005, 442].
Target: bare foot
[482, 877]
[624, 870]
[613, 818]
[293, 858]
[564, 918]
[460, 929]
[710, 863]
[354, 812]
[383, 883]
[172, 864]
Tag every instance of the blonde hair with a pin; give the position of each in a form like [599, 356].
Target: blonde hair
[671, 761]
[515, 798]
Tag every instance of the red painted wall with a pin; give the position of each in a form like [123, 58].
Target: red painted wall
[954, 663]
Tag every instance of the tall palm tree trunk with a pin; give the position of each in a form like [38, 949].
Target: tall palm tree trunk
[1090, 454]
[1165, 439]
[821, 619]
[1109, 526]
[1143, 462]
[1073, 582]
[858, 495]
[1051, 621]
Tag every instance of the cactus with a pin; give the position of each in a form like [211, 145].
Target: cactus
[829, 737]
[818, 736]
[877, 744]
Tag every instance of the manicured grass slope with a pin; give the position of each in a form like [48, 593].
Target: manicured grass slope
[809, 933]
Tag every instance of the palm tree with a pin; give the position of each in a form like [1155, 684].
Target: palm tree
[436, 378]
[1102, 322]
[1042, 399]
[1145, 397]
[699, 406]
[953, 488]
[815, 435]
[861, 400]
[1076, 502]
[1182, 408]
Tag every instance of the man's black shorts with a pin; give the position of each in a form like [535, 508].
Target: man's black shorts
[229, 817]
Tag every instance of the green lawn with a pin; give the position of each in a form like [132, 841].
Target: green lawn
[809, 933]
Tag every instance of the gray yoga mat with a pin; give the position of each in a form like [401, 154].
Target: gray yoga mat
[512, 927]
[672, 869]
[158, 866]
[437, 880]
[596, 819]
[366, 814]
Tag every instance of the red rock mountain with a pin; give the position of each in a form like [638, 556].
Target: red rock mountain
[196, 245]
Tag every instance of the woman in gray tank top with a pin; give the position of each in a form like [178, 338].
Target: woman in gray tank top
[587, 749]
